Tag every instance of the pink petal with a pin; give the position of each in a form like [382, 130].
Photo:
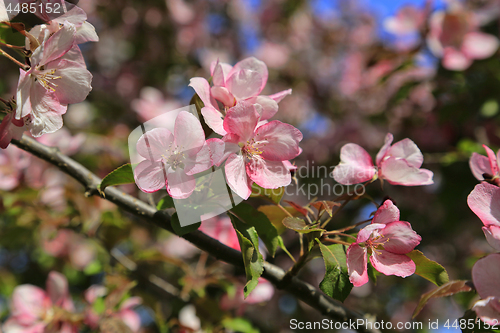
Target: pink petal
[23, 94]
[356, 265]
[268, 174]
[478, 45]
[93, 292]
[370, 231]
[383, 151]
[223, 95]
[392, 264]
[188, 133]
[202, 89]
[407, 150]
[386, 213]
[9, 130]
[46, 122]
[399, 172]
[150, 176]
[216, 147]
[278, 97]
[399, 237]
[180, 185]
[242, 120]
[131, 319]
[485, 273]
[130, 303]
[220, 72]
[236, 176]
[269, 106]
[455, 60]
[214, 119]
[484, 201]
[479, 165]
[492, 159]
[29, 304]
[492, 233]
[155, 143]
[74, 83]
[278, 141]
[12, 325]
[247, 78]
[355, 166]
[58, 290]
[58, 44]
[487, 310]
[198, 162]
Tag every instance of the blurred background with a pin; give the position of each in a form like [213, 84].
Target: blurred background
[426, 70]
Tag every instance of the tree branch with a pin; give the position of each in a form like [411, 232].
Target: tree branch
[300, 289]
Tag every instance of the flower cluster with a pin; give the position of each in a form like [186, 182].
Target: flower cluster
[387, 240]
[253, 149]
[399, 164]
[484, 201]
[36, 310]
[54, 76]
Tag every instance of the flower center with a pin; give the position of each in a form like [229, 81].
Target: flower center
[174, 158]
[250, 148]
[45, 79]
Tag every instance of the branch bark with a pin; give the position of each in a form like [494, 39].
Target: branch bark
[300, 289]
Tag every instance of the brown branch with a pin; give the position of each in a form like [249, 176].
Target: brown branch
[300, 289]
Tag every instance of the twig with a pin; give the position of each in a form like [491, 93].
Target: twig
[300, 289]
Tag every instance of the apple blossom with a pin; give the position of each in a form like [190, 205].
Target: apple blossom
[33, 309]
[232, 84]
[485, 276]
[388, 240]
[482, 166]
[10, 128]
[221, 228]
[255, 153]
[399, 164]
[173, 159]
[57, 77]
[455, 38]
[484, 201]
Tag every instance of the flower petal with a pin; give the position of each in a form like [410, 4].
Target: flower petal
[487, 310]
[268, 174]
[58, 44]
[23, 94]
[74, 83]
[485, 273]
[200, 161]
[217, 147]
[214, 119]
[392, 264]
[386, 213]
[180, 185]
[247, 78]
[58, 291]
[382, 152]
[399, 172]
[29, 304]
[479, 165]
[278, 97]
[492, 233]
[155, 143]
[236, 176]
[484, 201]
[355, 166]
[399, 237]
[242, 120]
[278, 141]
[188, 133]
[223, 95]
[202, 89]
[492, 159]
[455, 60]
[478, 45]
[150, 176]
[408, 151]
[356, 265]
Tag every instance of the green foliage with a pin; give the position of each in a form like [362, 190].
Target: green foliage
[252, 259]
[273, 195]
[239, 325]
[265, 229]
[336, 282]
[165, 203]
[428, 269]
[300, 225]
[120, 176]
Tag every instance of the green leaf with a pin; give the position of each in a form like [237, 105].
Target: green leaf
[252, 259]
[239, 325]
[428, 269]
[300, 225]
[165, 202]
[446, 289]
[120, 176]
[273, 195]
[265, 229]
[178, 229]
[276, 215]
[336, 282]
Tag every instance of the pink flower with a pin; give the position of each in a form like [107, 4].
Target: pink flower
[255, 153]
[173, 159]
[57, 77]
[67, 244]
[399, 164]
[481, 165]
[152, 103]
[484, 201]
[32, 308]
[485, 275]
[388, 240]
[243, 82]
[455, 38]
[13, 162]
[10, 128]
